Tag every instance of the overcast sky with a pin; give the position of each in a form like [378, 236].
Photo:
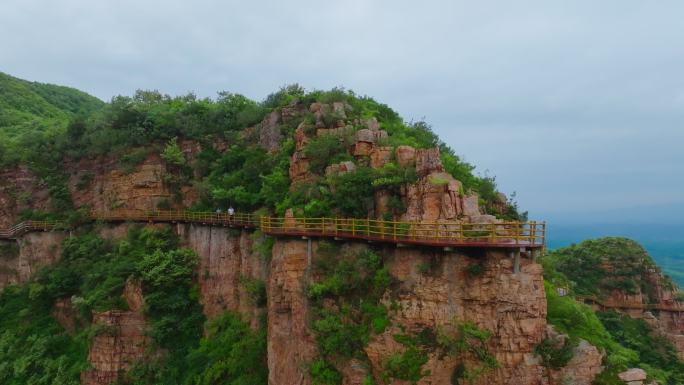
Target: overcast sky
[578, 106]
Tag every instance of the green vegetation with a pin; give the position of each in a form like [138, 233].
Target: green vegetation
[245, 176]
[93, 272]
[34, 349]
[555, 355]
[656, 354]
[583, 266]
[32, 112]
[407, 366]
[627, 342]
[230, 353]
[465, 338]
[345, 299]
[354, 282]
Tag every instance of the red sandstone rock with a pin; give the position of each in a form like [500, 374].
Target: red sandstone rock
[226, 259]
[270, 136]
[35, 250]
[121, 342]
[340, 168]
[380, 156]
[406, 156]
[632, 375]
[291, 345]
[299, 168]
[583, 367]
[64, 314]
[428, 161]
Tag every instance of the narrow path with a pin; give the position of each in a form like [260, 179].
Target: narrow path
[511, 235]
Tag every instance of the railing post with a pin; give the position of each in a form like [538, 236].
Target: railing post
[492, 234]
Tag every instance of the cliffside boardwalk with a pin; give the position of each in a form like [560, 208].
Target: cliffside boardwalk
[513, 235]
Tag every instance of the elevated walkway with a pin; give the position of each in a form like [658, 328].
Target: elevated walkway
[589, 300]
[508, 235]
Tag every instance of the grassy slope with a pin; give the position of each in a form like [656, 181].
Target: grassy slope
[28, 105]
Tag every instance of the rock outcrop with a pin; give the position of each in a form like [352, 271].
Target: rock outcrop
[291, 344]
[658, 306]
[511, 306]
[101, 185]
[20, 259]
[634, 376]
[583, 367]
[20, 189]
[227, 262]
[120, 342]
[437, 195]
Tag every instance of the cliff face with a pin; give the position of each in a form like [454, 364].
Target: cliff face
[228, 263]
[653, 299]
[100, 184]
[20, 259]
[511, 306]
[120, 341]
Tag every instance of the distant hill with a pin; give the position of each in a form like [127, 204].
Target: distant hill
[664, 242]
[27, 106]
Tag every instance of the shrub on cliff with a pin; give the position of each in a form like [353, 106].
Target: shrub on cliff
[230, 353]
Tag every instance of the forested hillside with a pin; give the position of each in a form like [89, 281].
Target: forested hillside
[30, 109]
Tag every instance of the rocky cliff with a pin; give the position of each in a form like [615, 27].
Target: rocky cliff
[427, 316]
[121, 339]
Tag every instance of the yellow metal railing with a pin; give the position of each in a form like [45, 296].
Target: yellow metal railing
[448, 233]
[510, 233]
[237, 219]
[28, 226]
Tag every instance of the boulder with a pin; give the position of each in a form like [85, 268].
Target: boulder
[379, 156]
[633, 375]
[406, 156]
[361, 149]
[365, 135]
[340, 168]
[428, 161]
[340, 109]
[430, 199]
[471, 205]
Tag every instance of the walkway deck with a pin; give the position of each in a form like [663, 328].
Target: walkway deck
[528, 235]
